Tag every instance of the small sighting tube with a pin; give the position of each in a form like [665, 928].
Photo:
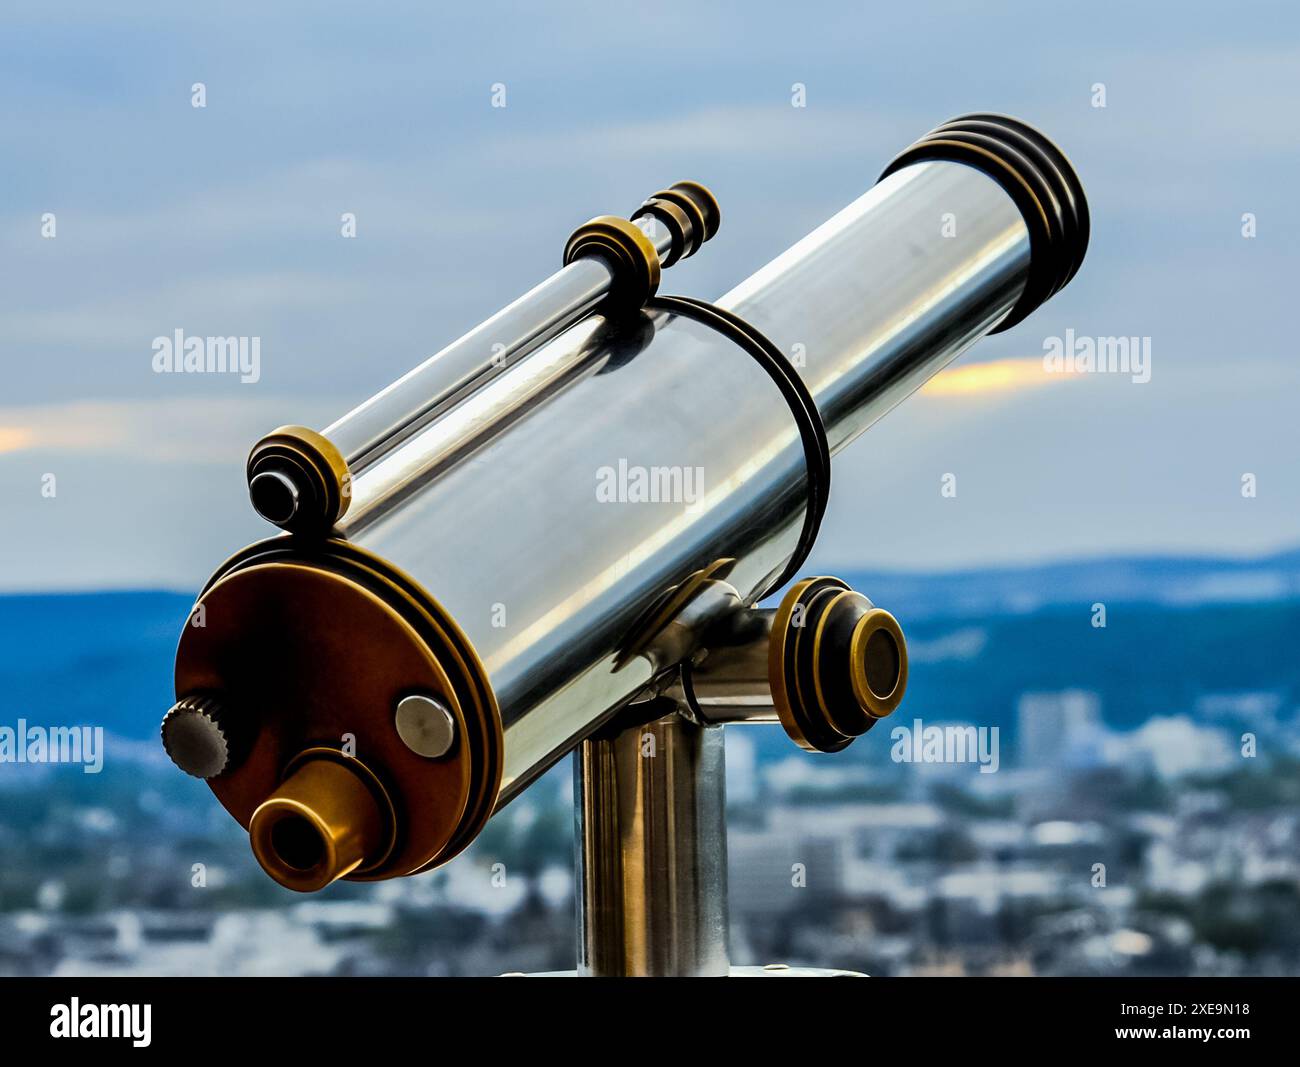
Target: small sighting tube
[322, 824]
[422, 394]
[301, 480]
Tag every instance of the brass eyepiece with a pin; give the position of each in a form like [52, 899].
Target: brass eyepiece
[329, 818]
[837, 664]
[878, 662]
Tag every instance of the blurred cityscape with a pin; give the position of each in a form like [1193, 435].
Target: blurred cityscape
[1141, 817]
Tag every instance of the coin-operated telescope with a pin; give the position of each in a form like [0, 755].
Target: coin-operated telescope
[553, 535]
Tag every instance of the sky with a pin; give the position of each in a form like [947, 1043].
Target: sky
[225, 220]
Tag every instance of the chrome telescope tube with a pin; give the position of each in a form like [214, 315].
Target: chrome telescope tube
[505, 575]
[879, 299]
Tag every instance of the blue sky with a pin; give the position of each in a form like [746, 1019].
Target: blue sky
[225, 220]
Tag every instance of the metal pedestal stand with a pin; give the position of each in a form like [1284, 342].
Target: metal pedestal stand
[650, 794]
[650, 815]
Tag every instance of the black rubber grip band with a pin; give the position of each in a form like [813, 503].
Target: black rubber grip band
[817, 453]
[1038, 178]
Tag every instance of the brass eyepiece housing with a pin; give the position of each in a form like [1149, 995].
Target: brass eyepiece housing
[837, 664]
[877, 657]
[330, 817]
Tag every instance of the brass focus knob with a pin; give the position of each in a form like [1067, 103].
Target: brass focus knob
[837, 664]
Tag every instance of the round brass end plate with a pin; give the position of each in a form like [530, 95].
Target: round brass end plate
[312, 658]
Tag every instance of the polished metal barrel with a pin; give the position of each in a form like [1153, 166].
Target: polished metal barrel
[499, 511]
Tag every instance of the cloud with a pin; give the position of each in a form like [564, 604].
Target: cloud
[1099, 467]
[184, 431]
[992, 377]
[755, 133]
[226, 222]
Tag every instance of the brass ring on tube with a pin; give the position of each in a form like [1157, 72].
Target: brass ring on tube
[628, 251]
[1038, 178]
[299, 480]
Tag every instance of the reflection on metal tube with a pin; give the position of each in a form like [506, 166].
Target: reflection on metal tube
[907, 299]
[730, 684]
[301, 480]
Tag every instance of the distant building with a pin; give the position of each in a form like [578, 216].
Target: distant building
[742, 768]
[1173, 746]
[1060, 729]
[774, 872]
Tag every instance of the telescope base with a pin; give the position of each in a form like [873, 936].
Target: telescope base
[650, 814]
[650, 821]
[772, 970]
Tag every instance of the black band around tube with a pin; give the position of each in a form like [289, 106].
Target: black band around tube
[813, 434]
[1037, 176]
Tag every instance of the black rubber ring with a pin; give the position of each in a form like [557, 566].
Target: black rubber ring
[674, 220]
[1071, 186]
[1031, 166]
[1057, 194]
[1037, 176]
[690, 207]
[818, 726]
[817, 453]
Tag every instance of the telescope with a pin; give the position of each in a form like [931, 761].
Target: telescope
[556, 536]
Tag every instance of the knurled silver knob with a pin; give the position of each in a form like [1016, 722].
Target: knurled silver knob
[197, 736]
